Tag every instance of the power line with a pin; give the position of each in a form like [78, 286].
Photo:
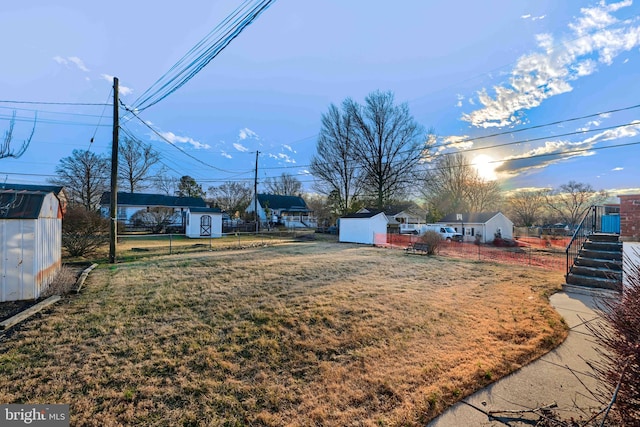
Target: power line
[206, 50]
[53, 103]
[579, 132]
[99, 120]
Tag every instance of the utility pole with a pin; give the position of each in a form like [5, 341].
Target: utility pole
[113, 204]
[255, 193]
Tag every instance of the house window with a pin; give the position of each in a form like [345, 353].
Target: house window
[122, 213]
[470, 231]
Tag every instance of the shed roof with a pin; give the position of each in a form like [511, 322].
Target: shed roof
[205, 210]
[470, 217]
[276, 201]
[142, 199]
[21, 204]
[55, 189]
[369, 214]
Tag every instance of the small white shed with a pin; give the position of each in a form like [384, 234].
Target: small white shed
[30, 242]
[361, 227]
[204, 222]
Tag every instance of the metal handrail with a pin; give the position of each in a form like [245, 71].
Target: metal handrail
[591, 223]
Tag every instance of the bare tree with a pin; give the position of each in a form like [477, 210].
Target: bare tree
[452, 185]
[321, 208]
[85, 176]
[445, 185]
[484, 195]
[5, 148]
[332, 165]
[389, 146]
[284, 185]
[135, 162]
[231, 197]
[166, 183]
[526, 206]
[571, 201]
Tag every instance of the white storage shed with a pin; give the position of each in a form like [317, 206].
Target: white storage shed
[204, 222]
[30, 241]
[362, 227]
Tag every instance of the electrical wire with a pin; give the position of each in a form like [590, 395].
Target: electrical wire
[100, 119]
[4, 101]
[206, 50]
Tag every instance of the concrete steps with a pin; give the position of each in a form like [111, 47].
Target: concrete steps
[599, 263]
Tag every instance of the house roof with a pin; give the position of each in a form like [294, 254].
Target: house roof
[205, 210]
[289, 203]
[21, 204]
[470, 217]
[142, 199]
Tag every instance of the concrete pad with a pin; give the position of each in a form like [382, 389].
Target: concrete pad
[562, 377]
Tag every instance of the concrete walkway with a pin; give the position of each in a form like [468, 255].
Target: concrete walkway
[560, 376]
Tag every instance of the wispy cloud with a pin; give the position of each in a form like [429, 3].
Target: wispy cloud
[533, 18]
[247, 133]
[596, 38]
[122, 90]
[282, 157]
[617, 169]
[556, 151]
[71, 60]
[589, 125]
[176, 139]
[288, 148]
[458, 142]
[225, 154]
[240, 147]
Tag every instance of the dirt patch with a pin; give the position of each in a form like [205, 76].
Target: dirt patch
[61, 285]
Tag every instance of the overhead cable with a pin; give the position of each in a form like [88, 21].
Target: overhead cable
[201, 54]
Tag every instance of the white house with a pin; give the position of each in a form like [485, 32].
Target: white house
[361, 227]
[130, 203]
[30, 240]
[482, 226]
[290, 211]
[204, 222]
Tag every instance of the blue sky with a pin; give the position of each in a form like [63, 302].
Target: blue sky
[467, 69]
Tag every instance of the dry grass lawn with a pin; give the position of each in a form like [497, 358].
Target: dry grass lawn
[302, 334]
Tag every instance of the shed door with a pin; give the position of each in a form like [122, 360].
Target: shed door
[205, 225]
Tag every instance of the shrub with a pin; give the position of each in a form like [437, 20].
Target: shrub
[433, 240]
[156, 219]
[83, 231]
[62, 283]
[619, 367]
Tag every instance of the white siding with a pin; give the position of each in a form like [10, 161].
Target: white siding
[193, 224]
[501, 222]
[30, 253]
[362, 230]
[631, 260]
